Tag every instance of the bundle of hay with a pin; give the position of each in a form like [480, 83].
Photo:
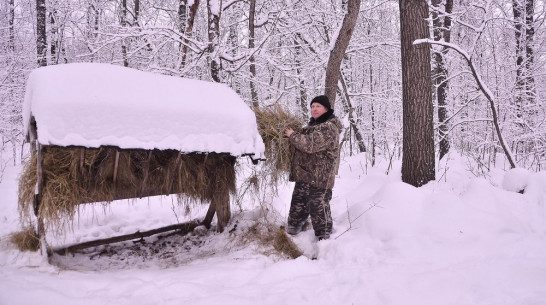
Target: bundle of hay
[26, 239]
[77, 175]
[272, 122]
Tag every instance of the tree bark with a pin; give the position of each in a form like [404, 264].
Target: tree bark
[124, 24]
[301, 80]
[54, 37]
[530, 58]
[418, 164]
[213, 35]
[187, 22]
[137, 12]
[442, 29]
[333, 68]
[523, 11]
[11, 23]
[251, 60]
[41, 35]
[352, 120]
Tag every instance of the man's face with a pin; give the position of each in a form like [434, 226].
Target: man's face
[317, 110]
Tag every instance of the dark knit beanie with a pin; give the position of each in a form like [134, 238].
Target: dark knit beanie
[323, 100]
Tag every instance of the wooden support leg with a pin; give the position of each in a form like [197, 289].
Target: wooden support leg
[210, 214]
[40, 228]
[223, 211]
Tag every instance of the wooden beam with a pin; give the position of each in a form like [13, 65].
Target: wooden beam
[39, 179]
[210, 215]
[184, 228]
[40, 228]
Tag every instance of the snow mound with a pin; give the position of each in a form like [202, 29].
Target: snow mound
[516, 179]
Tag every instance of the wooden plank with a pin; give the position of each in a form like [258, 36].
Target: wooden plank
[183, 227]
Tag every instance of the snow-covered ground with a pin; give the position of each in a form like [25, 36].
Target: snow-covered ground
[461, 240]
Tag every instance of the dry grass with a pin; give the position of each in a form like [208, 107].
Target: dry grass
[75, 175]
[272, 121]
[26, 240]
[272, 239]
[284, 244]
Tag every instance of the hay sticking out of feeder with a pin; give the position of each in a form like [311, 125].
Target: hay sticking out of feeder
[74, 175]
[26, 239]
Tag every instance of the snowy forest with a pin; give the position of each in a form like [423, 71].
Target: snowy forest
[487, 63]
[440, 197]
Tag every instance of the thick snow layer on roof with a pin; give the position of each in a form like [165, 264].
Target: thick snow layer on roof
[89, 104]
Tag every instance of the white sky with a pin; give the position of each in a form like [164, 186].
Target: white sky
[91, 105]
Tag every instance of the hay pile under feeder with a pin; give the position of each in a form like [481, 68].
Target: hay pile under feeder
[101, 132]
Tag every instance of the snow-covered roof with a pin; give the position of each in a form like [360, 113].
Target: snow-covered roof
[90, 104]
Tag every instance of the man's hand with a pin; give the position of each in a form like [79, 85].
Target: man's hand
[288, 132]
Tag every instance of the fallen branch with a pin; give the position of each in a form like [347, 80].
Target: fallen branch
[373, 205]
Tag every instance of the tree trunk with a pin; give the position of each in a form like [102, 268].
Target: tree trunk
[213, 35]
[530, 89]
[352, 119]
[524, 34]
[189, 20]
[418, 164]
[41, 36]
[518, 24]
[441, 30]
[301, 80]
[251, 60]
[54, 37]
[137, 12]
[123, 25]
[333, 68]
[11, 25]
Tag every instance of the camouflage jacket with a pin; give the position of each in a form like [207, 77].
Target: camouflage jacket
[316, 152]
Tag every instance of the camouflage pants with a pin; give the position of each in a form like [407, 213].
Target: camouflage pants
[311, 201]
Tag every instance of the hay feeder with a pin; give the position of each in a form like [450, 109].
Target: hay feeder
[101, 132]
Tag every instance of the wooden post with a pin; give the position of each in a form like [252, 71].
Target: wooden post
[40, 229]
[220, 200]
[210, 215]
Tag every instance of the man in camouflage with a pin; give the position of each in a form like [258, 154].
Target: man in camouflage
[314, 167]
